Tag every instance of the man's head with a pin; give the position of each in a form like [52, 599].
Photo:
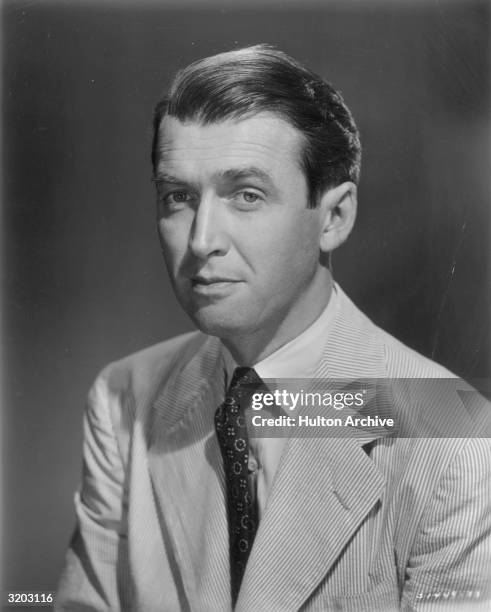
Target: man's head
[257, 79]
[236, 178]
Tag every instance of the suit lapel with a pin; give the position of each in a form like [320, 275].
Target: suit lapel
[323, 489]
[187, 475]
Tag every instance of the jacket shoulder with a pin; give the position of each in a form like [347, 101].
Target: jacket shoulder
[405, 362]
[400, 361]
[143, 370]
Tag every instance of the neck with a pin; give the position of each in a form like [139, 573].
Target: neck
[248, 349]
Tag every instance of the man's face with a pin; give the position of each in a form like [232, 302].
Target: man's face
[240, 244]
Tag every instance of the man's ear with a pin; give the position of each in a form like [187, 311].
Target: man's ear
[338, 205]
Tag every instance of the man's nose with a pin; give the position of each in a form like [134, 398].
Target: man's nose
[208, 236]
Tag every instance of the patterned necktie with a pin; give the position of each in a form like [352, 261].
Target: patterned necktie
[230, 424]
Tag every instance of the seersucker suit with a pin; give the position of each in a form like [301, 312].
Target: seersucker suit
[371, 524]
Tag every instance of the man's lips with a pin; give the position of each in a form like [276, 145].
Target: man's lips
[211, 280]
[213, 286]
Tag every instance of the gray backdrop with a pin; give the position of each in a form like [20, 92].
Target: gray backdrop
[83, 279]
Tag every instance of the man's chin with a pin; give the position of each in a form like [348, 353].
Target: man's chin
[215, 328]
[213, 324]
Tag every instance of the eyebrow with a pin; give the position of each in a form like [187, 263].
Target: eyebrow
[235, 174]
[164, 177]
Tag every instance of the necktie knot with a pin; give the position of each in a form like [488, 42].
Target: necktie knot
[244, 379]
[243, 384]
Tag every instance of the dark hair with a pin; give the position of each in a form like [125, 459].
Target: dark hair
[259, 78]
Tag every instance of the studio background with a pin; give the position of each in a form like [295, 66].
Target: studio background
[83, 279]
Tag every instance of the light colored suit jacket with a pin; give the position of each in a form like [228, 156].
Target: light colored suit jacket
[350, 524]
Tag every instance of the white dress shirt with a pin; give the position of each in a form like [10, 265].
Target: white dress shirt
[298, 358]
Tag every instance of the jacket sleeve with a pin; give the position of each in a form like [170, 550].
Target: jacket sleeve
[94, 576]
[450, 563]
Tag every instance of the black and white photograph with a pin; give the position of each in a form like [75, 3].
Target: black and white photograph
[246, 302]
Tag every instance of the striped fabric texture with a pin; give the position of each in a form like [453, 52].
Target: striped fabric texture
[373, 524]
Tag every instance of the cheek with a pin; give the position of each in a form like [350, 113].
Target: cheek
[295, 246]
[283, 267]
[173, 241]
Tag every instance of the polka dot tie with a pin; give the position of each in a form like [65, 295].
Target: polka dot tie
[230, 424]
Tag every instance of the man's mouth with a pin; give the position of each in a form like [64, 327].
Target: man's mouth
[211, 285]
[211, 280]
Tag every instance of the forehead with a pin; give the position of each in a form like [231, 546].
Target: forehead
[263, 140]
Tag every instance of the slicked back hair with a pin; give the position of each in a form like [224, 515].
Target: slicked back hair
[244, 82]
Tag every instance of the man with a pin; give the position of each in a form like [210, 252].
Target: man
[182, 507]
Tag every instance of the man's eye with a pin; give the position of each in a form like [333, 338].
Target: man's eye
[247, 197]
[177, 197]
[250, 196]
